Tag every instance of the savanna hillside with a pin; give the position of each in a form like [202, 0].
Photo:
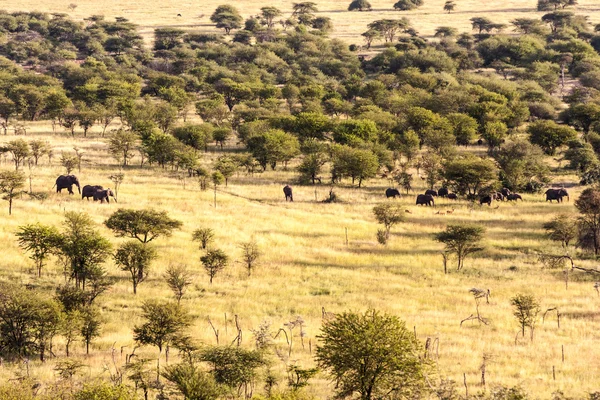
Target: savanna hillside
[207, 128]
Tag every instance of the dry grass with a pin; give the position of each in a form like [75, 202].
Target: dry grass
[307, 266]
[348, 26]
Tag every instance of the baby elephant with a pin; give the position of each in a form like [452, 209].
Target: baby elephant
[287, 190]
[104, 194]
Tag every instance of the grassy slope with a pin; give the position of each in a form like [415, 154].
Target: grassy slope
[348, 26]
[307, 266]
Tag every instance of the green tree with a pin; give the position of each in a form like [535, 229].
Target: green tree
[121, 144]
[203, 235]
[562, 228]
[10, 185]
[227, 166]
[549, 135]
[135, 258]
[143, 225]
[69, 162]
[227, 17]
[233, 92]
[7, 110]
[178, 279]
[311, 166]
[482, 24]
[193, 382]
[449, 6]
[526, 310]
[221, 135]
[388, 215]
[464, 128]
[588, 205]
[461, 240]
[19, 149]
[469, 174]
[494, 133]
[234, 367]
[272, 147]
[370, 355]
[389, 27]
[213, 262]
[359, 5]
[268, 15]
[69, 119]
[84, 250]
[38, 148]
[91, 324]
[104, 391]
[164, 323]
[522, 165]
[213, 110]
[405, 5]
[165, 115]
[250, 254]
[195, 136]
[28, 322]
[357, 164]
[40, 241]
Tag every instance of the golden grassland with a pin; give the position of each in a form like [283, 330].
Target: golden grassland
[348, 25]
[307, 265]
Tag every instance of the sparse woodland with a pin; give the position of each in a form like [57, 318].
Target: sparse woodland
[429, 172]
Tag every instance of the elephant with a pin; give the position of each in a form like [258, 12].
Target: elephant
[505, 192]
[67, 182]
[452, 196]
[514, 197]
[104, 194]
[89, 191]
[287, 190]
[431, 192]
[556, 194]
[497, 196]
[392, 193]
[443, 192]
[486, 200]
[425, 199]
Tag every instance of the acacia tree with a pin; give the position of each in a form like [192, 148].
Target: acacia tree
[388, 215]
[19, 149]
[164, 323]
[588, 205]
[213, 262]
[178, 279]
[250, 254]
[359, 5]
[562, 228]
[40, 240]
[370, 355]
[449, 6]
[468, 174]
[549, 135]
[10, 183]
[143, 225]
[135, 258]
[268, 15]
[227, 17]
[462, 240]
[91, 323]
[121, 144]
[526, 310]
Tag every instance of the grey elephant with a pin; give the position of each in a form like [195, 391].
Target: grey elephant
[514, 197]
[556, 194]
[390, 192]
[287, 190]
[431, 192]
[486, 200]
[67, 182]
[443, 192]
[452, 196]
[505, 192]
[89, 190]
[425, 199]
[104, 194]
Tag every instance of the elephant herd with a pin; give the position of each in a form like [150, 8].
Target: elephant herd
[96, 192]
[427, 199]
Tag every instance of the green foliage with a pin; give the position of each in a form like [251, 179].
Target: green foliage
[104, 391]
[526, 310]
[272, 147]
[163, 323]
[227, 17]
[359, 5]
[10, 183]
[195, 136]
[227, 166]
[91, 323]
[462, 240]
[405, 5]
[121, 145]
[355, 132]
[19, 149]
[135, 258]
[178, 279]
[250, 254]
[69, 162]
[40, 240]
[213, 262]
[562, 228]
[388, 215]
[522, 165]
[549, 135]
[234, 367]
[203, 235]
[143, 225]
[370, 355]
[494, 133]
[588, 205]
[357, 164]
[192, 382]
[469, 174]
